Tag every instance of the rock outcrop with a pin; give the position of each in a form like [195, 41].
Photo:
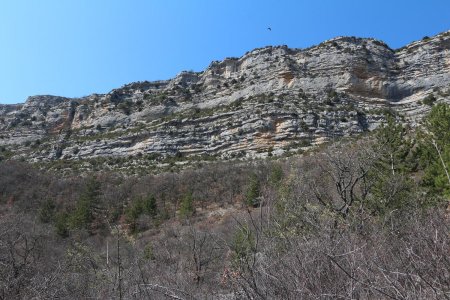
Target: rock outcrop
[271, 101]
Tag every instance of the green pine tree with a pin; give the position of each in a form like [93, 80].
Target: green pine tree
[150, 206]
[393, 145]
[187, 205]
[83, 214]
[253, 192]
[435, 149]
[391, 186]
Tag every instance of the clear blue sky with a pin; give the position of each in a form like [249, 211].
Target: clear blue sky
[77, 47]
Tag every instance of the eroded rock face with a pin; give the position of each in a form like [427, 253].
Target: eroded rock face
[269, 101]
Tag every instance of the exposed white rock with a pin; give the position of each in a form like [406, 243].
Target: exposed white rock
[267, 101]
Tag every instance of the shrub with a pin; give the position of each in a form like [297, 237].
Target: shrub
[429, 100]
[125, 107]
[148, 252]
[243, 245]
[61, 225]
[46, 213]
[332, 94]
[329, 102]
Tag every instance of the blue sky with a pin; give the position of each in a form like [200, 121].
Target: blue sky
[78, 47]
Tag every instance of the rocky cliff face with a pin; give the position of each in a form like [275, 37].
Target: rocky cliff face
[271, 101]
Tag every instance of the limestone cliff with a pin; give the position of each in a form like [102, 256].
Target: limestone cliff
[270, 101]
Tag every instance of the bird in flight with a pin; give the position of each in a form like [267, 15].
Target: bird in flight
[268, 28]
